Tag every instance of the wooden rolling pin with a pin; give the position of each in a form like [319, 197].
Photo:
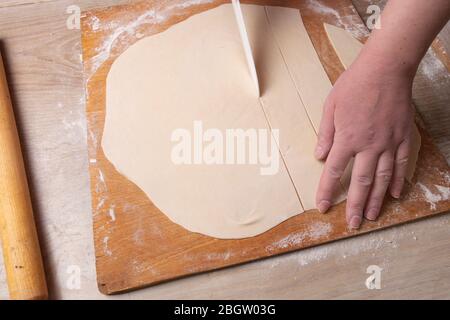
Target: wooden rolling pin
[21, 252]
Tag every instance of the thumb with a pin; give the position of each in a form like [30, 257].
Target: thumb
[326, 131]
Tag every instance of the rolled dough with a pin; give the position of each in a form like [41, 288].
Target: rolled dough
[195, 73]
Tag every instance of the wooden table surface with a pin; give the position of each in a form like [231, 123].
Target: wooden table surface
[43, 57]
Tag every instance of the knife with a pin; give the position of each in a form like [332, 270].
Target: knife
[246, 43]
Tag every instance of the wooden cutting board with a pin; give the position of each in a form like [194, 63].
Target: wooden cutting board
[136, 244]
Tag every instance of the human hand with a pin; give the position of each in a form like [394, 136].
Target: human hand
[369, 116]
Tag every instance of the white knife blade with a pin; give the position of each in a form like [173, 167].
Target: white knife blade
[246, 43]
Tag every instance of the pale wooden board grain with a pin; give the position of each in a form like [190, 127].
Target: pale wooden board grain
[41, 51]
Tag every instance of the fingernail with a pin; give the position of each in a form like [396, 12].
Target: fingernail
[319, 152]
[396, 194]
[372, 214]
[323, 206]
[355, 222]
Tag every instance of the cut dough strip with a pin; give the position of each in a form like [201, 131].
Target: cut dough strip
[296, 95]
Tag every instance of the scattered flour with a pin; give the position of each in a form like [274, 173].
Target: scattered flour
[106, 248]
[386, 241]
[431, 66]
[101, 203]
[140, 268]
[322, 9]
[316, 231]
[149, 17]
[219, 256]
[447, 177]
[95, 23]
[433, 198]
[70, 125]
[93, 138]
[445, 192]
[350, 23]
[112, 213]
[104, 51]
[319, 229]
[187, 4]
[348, 248]
[101, 177]
[288, 241]
[315, 254]
[138, 236]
